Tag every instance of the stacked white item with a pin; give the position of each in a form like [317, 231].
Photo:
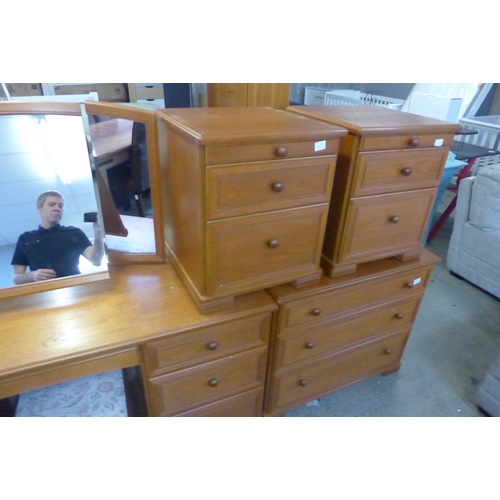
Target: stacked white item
[357, 98]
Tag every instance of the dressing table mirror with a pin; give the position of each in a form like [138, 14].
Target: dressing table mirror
[43, 147]
[124, 148]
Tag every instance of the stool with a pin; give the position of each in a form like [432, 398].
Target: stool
[101, 395]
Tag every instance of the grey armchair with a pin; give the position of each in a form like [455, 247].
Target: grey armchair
[474, 249]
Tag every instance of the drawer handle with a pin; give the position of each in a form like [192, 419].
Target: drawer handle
[407, 171]
[316, 312]
[414, 142]
[399, 316]
[309, 345]
[273, 243]
[277, 187]
[387, 351]
[212, 346]
[394, 219]
[410, 284]
[281, 151]
[303, 382]
[213, 382]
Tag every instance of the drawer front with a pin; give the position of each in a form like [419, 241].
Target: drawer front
[259, 251]
[206, 344]
[149, 92]
[323, 307]
[346, 332]
[195, 387]
[248, 404]
[394, 171]
[316, 379]
[385, 225]
[406, 141]
[217, 155]
[261, 187]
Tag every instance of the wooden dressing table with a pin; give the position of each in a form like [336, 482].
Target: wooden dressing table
[125, 321]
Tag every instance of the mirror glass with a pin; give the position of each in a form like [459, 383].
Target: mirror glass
[123, 162]
[40, 152]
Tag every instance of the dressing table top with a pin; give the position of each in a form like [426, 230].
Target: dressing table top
[138, 303]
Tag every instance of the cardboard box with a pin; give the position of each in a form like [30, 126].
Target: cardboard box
[109, 92]
[441, 108]
[24, 89]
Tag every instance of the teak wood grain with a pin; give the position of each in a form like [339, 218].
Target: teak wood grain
[55, 335]
[342, 329]
[187, 389]
[275, 95]
[390, 161]
[246, 193]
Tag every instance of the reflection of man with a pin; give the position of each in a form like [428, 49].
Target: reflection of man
[52, 250]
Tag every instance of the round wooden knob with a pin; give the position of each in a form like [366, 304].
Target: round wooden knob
[394, 219]
[409, 284]
[213, 382]
[387, 351]
[303, 382]
[281, 151]
[414, 142]
[399, 316]
[407, 171]
[273, 243]
[212, 345]
[316, 312]
[277, 187]
[309, 345]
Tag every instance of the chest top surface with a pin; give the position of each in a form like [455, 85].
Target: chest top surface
[375, 120]
[364, 272]
[246, 125]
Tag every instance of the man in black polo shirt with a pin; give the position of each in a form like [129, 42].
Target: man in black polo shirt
[52, 250]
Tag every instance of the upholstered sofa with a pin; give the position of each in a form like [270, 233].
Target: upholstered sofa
[474, 249]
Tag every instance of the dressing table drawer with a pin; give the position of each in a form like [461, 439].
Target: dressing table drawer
[217, 155]
[345, 332]
[204, 345]
[246, 404]
[196, 387]
[265, 186]
[262, 250]
[389, 172]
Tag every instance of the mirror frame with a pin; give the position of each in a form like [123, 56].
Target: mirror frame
[49, 108]
[148, 117]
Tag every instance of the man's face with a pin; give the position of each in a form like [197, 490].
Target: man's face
[51, 211]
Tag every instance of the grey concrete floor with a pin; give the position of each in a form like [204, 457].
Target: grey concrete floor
[454, 338]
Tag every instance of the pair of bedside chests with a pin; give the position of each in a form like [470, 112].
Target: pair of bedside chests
[325, 207]
[258, 197]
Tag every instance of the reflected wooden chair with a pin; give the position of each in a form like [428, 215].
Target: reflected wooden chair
[139, 167]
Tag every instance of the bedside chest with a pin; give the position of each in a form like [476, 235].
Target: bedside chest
[342, 330]
[387, 176]
[246, 194]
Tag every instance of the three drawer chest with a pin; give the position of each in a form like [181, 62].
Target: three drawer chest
[386, 182]
[246, 196]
